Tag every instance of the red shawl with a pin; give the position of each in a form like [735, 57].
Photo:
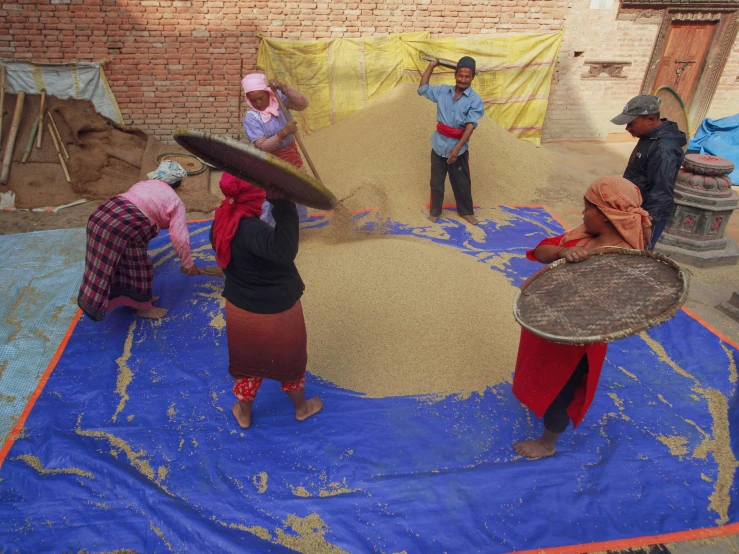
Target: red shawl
[543, 367]
[242, 200]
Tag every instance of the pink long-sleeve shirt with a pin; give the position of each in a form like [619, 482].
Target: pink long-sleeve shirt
[160, 203]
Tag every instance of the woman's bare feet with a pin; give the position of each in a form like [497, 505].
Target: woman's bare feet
[304, 408]
[311, 408]
[242, 412]
[153, 313]
[433, 218]
[534, 449]
[471, 219]
[544, 446]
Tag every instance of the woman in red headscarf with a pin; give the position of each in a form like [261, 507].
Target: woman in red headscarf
[264, 317]
[558, 381]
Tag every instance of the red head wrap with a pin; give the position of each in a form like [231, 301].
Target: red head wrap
[242, 200]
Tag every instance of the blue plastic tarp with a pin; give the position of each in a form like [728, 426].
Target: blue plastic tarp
[40, 275]
[719, 137]
[132, 444]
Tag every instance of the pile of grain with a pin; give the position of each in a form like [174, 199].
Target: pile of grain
[384, 150]
[390, 317]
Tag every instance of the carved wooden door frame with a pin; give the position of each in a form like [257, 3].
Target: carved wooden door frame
[713, 65]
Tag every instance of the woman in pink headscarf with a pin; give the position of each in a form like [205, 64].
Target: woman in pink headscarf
[267, 127]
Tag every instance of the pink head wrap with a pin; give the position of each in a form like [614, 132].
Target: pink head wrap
[258, 82]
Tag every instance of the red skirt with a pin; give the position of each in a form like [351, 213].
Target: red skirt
[543, 368]
[290, 154]
[271, 346]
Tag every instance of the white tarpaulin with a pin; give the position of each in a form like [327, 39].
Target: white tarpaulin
[81, 80]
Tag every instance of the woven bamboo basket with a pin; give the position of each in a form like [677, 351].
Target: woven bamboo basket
[257, 167]
[189, 163]
[615, 293]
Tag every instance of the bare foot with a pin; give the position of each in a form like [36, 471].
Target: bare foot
[153, 313]
[535, 449]
[242, 417]
[311, 407]
[433, 218]
[471, 219]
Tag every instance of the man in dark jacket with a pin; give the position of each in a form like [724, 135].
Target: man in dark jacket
[656, 159]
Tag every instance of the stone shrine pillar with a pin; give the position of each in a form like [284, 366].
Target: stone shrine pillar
[704, 202]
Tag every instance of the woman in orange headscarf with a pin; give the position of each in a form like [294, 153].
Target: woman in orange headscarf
[558, 381]
[265, 328]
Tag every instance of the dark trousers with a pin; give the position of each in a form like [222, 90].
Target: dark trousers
[459, 177]
[556, 419]
[658, 228]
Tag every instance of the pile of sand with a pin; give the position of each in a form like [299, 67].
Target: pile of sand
[380, 157]
[391, 317]
[105, 158]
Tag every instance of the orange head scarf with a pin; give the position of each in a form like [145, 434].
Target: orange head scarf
[620, 201]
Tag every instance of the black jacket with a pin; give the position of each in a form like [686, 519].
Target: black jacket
[653, 168]
[261, 276]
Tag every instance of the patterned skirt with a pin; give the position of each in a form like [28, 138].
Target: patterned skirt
[290, 154]
[271, 346]
[116, 259]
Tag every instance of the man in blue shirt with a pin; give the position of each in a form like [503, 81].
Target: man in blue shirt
[458, 109]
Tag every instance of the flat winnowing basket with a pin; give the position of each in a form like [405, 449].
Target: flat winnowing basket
[189, 163]
[614, 294]
[255, 166]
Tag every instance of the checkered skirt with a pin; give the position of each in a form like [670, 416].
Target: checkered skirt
[116, 259]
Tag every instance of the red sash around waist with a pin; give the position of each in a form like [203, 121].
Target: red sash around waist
[449, 132]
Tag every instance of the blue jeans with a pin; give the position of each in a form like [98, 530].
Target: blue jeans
[657, 228]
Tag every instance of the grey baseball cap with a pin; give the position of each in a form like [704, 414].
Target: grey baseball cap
[644, 104]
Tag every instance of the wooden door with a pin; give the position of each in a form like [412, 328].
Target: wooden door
[683, 57]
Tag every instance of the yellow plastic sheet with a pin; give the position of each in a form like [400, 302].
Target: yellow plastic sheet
[341, 76]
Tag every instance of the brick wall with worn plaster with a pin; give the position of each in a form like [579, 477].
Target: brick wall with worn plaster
[177, 63]
[726, 99]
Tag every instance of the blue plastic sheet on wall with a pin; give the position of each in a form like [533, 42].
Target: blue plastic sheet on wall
[132, 444]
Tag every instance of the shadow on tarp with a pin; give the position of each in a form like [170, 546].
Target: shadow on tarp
[40, 275]
[132, 443]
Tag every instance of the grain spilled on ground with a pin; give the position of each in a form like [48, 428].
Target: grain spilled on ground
[125, 375]
[392, 317]
[36, 464]
[718, 443]
[260, 482]
[307, 535]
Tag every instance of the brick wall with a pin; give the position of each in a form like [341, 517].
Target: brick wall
[581, 109]
[177, 63]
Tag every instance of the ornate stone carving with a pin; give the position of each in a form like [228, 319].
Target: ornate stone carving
[704, 202]
[605, 70]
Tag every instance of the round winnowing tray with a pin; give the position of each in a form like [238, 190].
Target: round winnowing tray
[257, 167]
[614, 294]
[189, 163]
[672, 107]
